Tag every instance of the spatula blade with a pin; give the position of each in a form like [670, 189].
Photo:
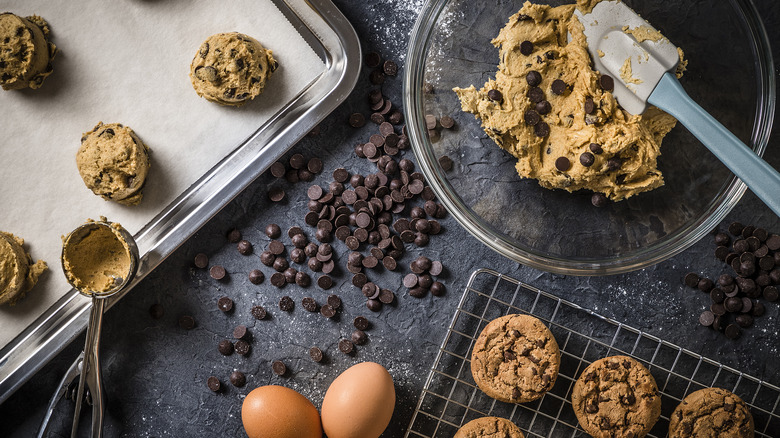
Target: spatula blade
[626, 47]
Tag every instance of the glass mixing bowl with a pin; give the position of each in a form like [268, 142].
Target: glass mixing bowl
[730, 74]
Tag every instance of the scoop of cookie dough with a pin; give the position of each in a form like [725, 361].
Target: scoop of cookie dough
[489, 427]
[231, 68]
[114, 162]
[18, 273]
[558, 117]
[25, 51]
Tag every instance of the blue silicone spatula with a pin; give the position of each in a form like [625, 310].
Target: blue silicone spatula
[628, 48]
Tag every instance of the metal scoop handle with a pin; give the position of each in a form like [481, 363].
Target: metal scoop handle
[762, 179]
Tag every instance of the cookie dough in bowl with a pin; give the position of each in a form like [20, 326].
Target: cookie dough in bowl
[114, 163]
[556, 115]
[25, 51]
[18, 272]
[231, 68]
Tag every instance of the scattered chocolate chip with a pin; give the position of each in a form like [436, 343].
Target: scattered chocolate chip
[309, 304]
[357, 120]
[359, 337]
[225, 347]
[258, 312]
[279, 368]
[201, 260]
[214, 384]
[225, 304]
[390, 68]
[256, 276]
[733, 331]
[217, 272]
[238, 379]
[346, 346]
[187, 322]
[244, 247]
[325, 282]
[361, 323]
[286, 304]
[598, 200]
[276, 194]
[315, 354]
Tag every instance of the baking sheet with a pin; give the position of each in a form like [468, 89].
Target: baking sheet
[126, 62]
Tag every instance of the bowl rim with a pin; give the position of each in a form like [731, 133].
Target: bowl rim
[414, 71]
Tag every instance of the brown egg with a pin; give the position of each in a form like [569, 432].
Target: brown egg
[278, 412]
[359, 403]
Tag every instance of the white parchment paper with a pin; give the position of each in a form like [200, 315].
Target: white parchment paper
[125, 61]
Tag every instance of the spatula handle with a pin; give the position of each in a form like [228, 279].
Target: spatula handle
[756, 173]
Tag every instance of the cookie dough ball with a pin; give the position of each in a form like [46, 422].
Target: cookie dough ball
[711, 412]
[616, 397]
[18, 273]
[489, 427]
[515, 359]
[25, 51]
[114, 162]
[231, 68]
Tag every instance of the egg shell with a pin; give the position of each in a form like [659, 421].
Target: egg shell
[277, 412]
[359, 403]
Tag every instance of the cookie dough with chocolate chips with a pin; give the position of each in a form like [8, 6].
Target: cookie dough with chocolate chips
[25, 51]
[616, 397]
[231, 68]
[114, 162]
[711, 412]
[515, 359]
[489, 427]
[18, 273]
[558, 117]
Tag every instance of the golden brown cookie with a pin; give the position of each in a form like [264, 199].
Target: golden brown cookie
[710, 413]
[113, 162]
[616, 397]
[489, 427]
[25, 51]
[231, 68]
[515, 359]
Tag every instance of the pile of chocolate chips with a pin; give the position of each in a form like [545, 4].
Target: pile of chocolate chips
[300, 169]
[754, 257]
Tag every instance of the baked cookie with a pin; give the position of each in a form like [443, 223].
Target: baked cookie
[25, 51]
[114, 162]
[515, 359]
[711, 413]
[616, 397]
[489, 427]
[231, 68]
[18, 273]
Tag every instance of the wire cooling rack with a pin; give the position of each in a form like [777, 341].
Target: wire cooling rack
[450, 397]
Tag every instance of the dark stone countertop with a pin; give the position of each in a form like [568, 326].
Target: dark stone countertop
[155, 372]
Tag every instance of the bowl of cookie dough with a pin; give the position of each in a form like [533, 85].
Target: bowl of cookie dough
[578, 187]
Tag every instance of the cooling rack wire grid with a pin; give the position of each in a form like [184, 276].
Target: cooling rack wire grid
[450, 397]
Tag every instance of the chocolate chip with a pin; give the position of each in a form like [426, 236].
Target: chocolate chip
[733, 304]
[187, 322]
[543, 107]
[590, 106]
[225, 304]
[374, 305]
[244, 247]
[286, 304]
[732, 331]
[201, 260]
[542, 129]
[217, 272]
[559, 87]
[281, 264]
[361, 323]
[598, 200]
[707, 318]
[437, 289]
[562, 164]
[534, 78]
[346, 346]
[327, 311]
[315, 354]
[596, 148]
[276, 194]
[214, 384]
[390, 68]
[279, 368]
[238, 379]
[535, 94]
[607, 83]
[532, 118]
[372, 59]
[325, 282]
[359, 337]
[771, 293]
[309, 304]
[493, 95]
[357, 120]
[587, 159]
[225, 347]
[256, 276]
[526, 48]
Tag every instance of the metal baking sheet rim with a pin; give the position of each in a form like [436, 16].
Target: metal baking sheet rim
[334, 39]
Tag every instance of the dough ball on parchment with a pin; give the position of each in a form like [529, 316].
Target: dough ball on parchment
[25, 51]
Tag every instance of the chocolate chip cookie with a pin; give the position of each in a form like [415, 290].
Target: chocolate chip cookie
[515, 359]
[489, 427]
[26, 51]
[231, 68]
[711, 412]
[616, 397]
